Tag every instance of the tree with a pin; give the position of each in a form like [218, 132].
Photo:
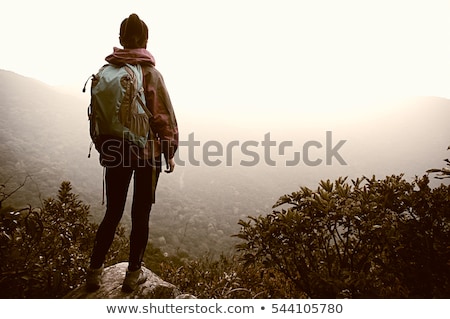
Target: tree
[365, 239]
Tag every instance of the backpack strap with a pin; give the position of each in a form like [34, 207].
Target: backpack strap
[141, 90]
[147, 111]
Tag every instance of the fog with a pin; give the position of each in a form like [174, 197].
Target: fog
[260, 57]
[269, 96]
[229, 165]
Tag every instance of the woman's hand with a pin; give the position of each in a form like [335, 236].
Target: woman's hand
[171, 166]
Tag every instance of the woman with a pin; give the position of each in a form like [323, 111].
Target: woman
[133, 38]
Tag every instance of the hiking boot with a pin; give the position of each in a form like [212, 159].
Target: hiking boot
[133, 279]
[94, 278]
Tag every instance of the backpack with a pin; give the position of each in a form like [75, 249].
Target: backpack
[117, 108]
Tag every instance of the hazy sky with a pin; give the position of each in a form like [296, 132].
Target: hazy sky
[280, 58]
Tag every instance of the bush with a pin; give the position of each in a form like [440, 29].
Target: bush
[365, 239]
[44, 252]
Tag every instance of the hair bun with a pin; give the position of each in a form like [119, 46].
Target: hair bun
[133, 32]
[133, 26]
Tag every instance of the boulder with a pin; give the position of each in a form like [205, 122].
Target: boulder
[111, 288]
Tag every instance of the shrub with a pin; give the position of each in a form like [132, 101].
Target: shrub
[365, 239]
[44, 252]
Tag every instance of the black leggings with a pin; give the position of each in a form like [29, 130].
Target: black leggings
[117, 182]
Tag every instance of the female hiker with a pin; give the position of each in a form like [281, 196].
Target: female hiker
[123, 159]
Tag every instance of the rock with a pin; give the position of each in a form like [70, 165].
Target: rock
[111, 288]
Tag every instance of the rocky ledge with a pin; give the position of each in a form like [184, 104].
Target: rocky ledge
[111, 288]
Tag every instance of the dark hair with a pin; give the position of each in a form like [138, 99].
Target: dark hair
[133, 32]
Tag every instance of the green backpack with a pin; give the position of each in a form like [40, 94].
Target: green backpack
[117, 107]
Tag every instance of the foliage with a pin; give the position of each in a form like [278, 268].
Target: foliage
[154, 258]
[44, 252]
[225, 277]
[368, 239]
[202, 277]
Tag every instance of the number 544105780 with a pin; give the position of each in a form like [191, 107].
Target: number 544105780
[308, 308]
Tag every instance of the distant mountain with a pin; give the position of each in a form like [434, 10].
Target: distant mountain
[44, 134]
